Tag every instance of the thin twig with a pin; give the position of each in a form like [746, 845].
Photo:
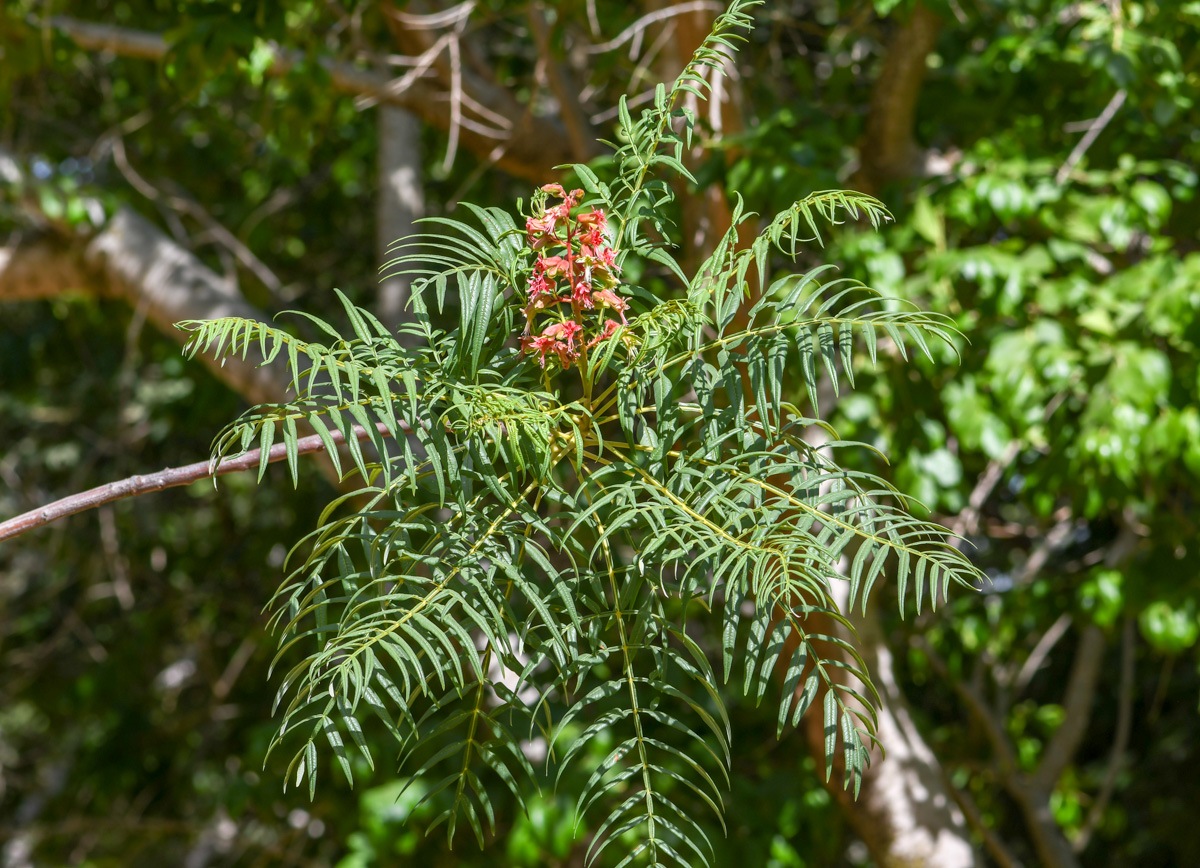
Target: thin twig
[1096, 128]
[639, 26]
[1076, 703]
[215, 229]
[1120, 740]
[168, 478]
[456, 114]
[1040, 652]
[433, 21]
[579, 129]
[593, 18]
[970, 810]
[967, 521]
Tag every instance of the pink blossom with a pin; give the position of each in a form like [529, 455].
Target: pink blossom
[539, 285]
[610, 326]
[595, 217]
[567, 330]
[540, 230]
[553, 266]
[608, 298]
[582, 295]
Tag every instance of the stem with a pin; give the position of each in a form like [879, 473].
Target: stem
[171, 477]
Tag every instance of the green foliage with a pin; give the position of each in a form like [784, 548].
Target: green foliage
[529, 544]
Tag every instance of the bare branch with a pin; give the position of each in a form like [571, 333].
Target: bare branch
[193, 209]
[579, 128]
[163, 479]
[638, 27]
[1077, 709]
[532, 148]
[999, 852]
[993, 728]
[1094, 130]
[1040, 652]
[35, 267]
[1120, 740]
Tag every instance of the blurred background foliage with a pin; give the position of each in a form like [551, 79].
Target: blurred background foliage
[1064, 441]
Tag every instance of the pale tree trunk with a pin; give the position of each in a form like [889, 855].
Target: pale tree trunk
[904, 814]
[400, 202]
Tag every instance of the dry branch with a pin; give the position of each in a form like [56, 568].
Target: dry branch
[533, 147]
[168, 478]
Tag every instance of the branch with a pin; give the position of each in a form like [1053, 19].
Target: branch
[1034, 803]
[645, 21]
[888, 150]
[993, 728]
[1040, 652]
[1077, 709]
[1095, 128]
[40, 266]
[1085, 673]
[131, 259]
[999, 853]
[168, 478]
[1120, 741]
[579, 127]
[533, 147]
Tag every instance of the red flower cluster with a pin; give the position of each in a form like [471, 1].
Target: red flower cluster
[575, 266]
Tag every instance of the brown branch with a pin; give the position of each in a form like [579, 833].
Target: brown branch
[993, 728]
[639, 26]
[1077, 709]
[1040, 652]
[168, 478]
[995, 847]
[888, 150]
[579, 127]
[1034, 804]
[132, 259]
[40, 266]
[1095, 128]
[533, 147]
[1120, 740]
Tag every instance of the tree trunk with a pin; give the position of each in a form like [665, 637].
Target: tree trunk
[904, 813]
[401, 201]
[888, 149]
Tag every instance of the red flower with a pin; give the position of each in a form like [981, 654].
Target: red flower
[608, 298]
[567, 330]
[595, 217]
[539, 285]
[582, 295]
[540, 230]
[553, 266]
[610, 326]
[540, 345]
